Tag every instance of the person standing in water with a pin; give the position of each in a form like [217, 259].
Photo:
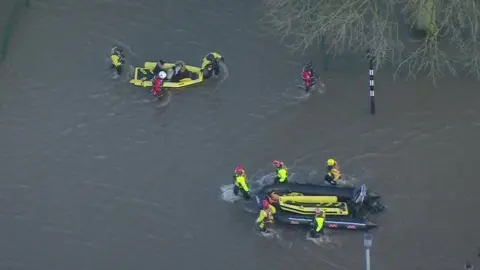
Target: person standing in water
[317, 223]
[157, 84]
[265, 216]
[333, 172]
[117, 58]
[241, 184]
[282, 172]
[211, 64]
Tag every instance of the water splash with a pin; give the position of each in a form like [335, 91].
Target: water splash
[108, 68]
[266, 179]
[255, 184]
[320, 87]
[225, 71]
[164, 101]
[274, 234]
[225, 75]
[348, 180]
[228, 195]
[297, 93]
[159, 103]
[269, 233]
[321, 241]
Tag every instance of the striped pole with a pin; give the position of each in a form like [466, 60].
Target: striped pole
[371, 82]
[367, 244]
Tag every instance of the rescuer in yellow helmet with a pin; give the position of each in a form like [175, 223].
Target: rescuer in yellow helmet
[118, 59]
[333, 172]
[211, 64]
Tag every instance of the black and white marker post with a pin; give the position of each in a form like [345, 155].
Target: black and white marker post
[367, 244]
[371, 79]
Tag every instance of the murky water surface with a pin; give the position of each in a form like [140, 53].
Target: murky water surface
[95, 176]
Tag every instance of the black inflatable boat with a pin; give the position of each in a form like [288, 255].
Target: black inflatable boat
[345, 207]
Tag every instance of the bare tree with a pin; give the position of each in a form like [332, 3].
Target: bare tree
[450, 30]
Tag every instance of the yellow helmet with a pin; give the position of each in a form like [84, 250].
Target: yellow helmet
[331, 162]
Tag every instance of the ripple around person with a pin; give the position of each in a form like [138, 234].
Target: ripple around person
[164, 101]
[223, 75]
[290, 239]
[256, 183]
[298, 92]
[322, 240]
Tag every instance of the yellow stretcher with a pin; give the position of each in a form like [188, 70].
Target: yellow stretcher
[143, 76]
[307, 205]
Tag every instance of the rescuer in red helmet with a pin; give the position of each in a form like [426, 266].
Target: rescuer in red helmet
[265, 216]
[241, 184]
[281, 176]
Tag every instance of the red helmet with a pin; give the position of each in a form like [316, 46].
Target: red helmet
[265, 204]
[239, 170]
[277, 163]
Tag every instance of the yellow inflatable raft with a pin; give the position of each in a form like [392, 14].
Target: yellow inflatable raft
[143, 76]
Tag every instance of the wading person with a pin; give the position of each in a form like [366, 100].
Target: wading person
[241, 185]
[265, 216]
[158, 83]
[117, 58]
[333, 172]
[211, 64]
[282, 172]
[317, 223]
[308, 76]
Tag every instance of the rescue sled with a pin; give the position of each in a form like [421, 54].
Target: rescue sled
[143, 76]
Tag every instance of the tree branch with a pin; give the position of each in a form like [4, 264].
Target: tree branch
[357, 25]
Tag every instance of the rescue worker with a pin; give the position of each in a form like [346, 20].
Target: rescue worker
[241, 184]
[117, 58]
[333, 172]
[211, 64]
[158, 83]
[159, 67]
[282, 173]
[265, 216]
[308, 76]
[318, 222]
